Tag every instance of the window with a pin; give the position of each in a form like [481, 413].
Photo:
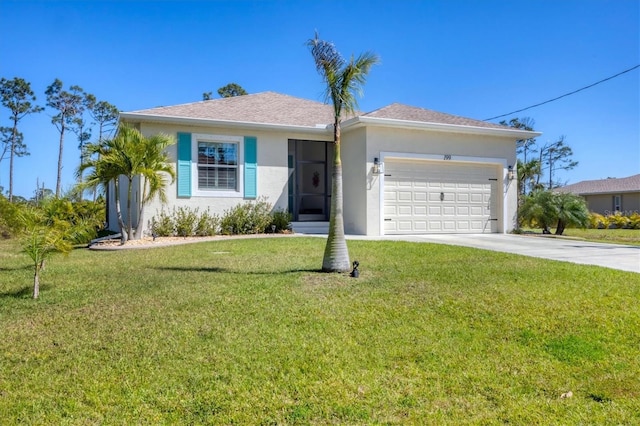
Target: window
[617, 203]
[217, 166]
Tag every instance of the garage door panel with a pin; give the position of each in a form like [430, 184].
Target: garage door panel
[463, 197]
[476, 211]
[420, 210]
[448, 210]
[424, 196]
[420, 196]
[476, 197]
[449, 225]
[405, 196]
[405, 210]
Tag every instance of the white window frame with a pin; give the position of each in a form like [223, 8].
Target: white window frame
[617, 203]
[213, 193]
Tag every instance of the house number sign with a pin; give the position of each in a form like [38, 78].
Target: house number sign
[447, 156]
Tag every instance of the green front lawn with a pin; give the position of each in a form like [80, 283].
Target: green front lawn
[249, 332]
[618, 236]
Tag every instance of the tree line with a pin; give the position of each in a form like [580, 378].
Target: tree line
[74, 110]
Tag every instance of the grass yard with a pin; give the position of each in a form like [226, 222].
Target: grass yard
[618, 236]
[249, 332]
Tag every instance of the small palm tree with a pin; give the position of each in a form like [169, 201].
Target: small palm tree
[344, 80]
[545, 208]
[129, 155]
[40, 240]
[572, 211]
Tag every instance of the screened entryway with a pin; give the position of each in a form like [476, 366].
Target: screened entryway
[310, 179]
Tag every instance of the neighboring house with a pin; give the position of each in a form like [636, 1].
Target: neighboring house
[406, 170]
[608, 196]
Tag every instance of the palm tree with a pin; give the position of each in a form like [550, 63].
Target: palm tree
[130, 154]
[156, 167]
[572, 211]
[544, 208]
[344, 80]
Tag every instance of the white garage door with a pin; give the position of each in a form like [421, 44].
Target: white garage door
[448, 197]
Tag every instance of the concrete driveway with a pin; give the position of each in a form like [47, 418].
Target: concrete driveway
[615, 256]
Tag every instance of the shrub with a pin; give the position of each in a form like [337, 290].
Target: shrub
[597, 221]
[10, 223]
[248, 218]
[207, 225]
[634, 221]
[618, 220]
[185, 221]
[282, 220]
[164, 225]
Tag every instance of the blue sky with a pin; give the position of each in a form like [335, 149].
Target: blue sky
[476, 59]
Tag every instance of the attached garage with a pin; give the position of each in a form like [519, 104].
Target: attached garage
[440, 196]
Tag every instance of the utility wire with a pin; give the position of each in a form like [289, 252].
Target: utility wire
[565, 95]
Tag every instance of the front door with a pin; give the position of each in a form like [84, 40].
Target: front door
[309, 180]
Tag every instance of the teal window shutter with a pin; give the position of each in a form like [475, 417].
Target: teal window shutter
[250, 167]
[184, 165]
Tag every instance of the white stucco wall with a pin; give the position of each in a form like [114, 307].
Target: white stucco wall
[363, 199]
[364, 216]
[354, 176]
[272, 171]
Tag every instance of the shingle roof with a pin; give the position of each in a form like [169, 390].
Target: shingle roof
[278, 109]
[604, 186]
[263, 108]
[398, 111]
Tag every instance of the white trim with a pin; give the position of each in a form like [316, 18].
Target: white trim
[204, 137]
[447, 158]
[441, 127]
[150, 118]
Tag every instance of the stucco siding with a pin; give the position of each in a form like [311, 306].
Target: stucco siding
[603, 203]
[355, 181]
[440, 146]
[272, 170]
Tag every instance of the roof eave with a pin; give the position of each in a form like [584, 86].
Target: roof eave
[606, 192]
[438, 127]
[137, 117]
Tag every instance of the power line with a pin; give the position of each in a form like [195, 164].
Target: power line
[565, 95]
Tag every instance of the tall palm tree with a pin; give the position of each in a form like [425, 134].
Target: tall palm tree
[156, 167]
[344, 80]
[130, 154]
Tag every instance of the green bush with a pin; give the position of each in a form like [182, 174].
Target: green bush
[185, 221]
[614, 221]
[282, 220]
[207, 224]
[597, 221]
[618, 220]
[247, 218]
[252, 217]
[10, 224]
[163, 225]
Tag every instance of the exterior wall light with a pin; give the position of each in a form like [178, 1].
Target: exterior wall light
[377, 166]
[511, 175]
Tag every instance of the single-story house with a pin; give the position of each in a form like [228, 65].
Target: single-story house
[406, 170]
[608, 196]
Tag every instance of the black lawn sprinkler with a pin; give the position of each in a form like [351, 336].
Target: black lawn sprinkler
[355, 273]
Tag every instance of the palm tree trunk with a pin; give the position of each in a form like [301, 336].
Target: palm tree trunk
[140, 210]
[59, 178]
[129, 209]
[123, 234]
[12, 152]
[36, 281]
[336, 254]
